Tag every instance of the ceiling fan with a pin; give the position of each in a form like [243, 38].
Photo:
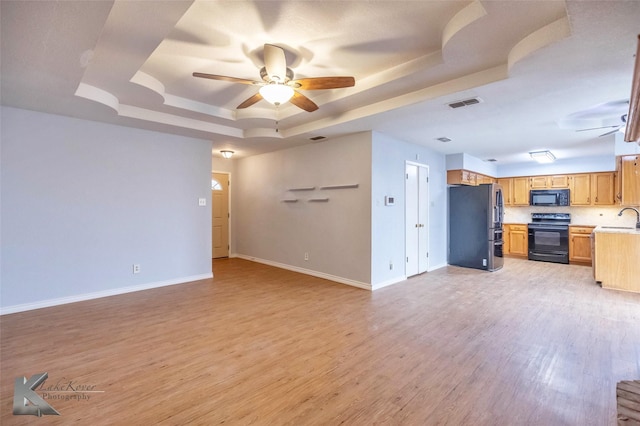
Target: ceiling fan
[623, 122]
[278, 85]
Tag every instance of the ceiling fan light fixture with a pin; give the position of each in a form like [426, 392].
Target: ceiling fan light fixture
[543, 156]
[276, 93]
[226, 153]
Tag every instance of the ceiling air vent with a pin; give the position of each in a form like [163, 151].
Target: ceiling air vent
[443, 139]
[317, 138]
[491, 160]
[464, 103]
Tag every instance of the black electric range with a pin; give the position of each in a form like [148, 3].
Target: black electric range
[549, 237]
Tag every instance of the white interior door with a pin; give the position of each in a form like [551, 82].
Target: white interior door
[416, 219]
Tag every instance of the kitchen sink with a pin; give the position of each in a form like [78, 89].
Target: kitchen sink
[617, 227]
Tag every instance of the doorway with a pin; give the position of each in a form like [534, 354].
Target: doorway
[219, 215]
[416, 218]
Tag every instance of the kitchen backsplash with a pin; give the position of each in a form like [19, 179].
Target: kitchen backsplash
[593, 216]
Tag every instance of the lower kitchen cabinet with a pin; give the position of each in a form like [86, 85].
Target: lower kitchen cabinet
[616, 254]
[580, 244]
[516, 239]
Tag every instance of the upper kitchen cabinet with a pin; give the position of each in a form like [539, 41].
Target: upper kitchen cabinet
[629, 180]
[507, 190]
[550, 182]
[603, 189]
[580, 189]
[520, 191]
[467, 177]
[461, 177]
[558, 181]
[538, 182]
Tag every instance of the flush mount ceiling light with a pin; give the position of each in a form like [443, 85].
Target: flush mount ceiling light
[543, 156]
[226, 153]
[276, 93]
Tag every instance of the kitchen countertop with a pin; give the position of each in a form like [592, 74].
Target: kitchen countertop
[617, 230]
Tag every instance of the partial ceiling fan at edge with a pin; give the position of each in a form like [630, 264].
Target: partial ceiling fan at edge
[623, 120]
[277, 77]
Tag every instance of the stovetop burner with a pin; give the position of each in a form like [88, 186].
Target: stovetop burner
[550, 219]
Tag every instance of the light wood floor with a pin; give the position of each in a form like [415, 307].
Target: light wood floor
[532, 344]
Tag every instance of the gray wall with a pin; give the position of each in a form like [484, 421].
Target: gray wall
[336, 234]
[388, 231]
[83, 201]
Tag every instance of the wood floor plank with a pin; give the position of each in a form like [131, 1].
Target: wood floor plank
[533, 343]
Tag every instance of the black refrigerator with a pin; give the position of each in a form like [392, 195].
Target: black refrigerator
[476, 214]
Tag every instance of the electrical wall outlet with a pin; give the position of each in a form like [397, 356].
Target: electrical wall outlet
[202, 201]
[306, 256]
[390, 266]
[136, 268]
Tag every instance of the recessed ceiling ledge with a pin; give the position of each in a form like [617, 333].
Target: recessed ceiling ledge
[98, 95]
[545, 36]
[466, 16]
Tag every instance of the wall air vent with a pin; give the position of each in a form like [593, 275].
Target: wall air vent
[464, 103]
[317, 138]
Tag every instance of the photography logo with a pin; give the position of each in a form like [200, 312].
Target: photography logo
[26, 401]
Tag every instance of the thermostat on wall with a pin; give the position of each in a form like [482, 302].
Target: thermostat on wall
[389, 200]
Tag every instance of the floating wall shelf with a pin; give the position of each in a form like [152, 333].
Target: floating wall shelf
[348, 185]
[318, 200]
[290, 200]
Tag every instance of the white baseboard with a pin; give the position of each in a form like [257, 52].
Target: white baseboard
[388, 283]
[433, 268]
[313, 273]
[88, 296]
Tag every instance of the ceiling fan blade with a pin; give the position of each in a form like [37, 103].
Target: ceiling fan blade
[598, 128]
[301, 101]
[223, 78]
[252, 100]
[275, 63]
[610, 132]
[320, 83]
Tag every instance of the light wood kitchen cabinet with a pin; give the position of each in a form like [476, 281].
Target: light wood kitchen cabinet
[603, 189]
[558, 182]
[518, 240]
[616, 254]
[520, 191]
[538, 182]
[580, 189]
[580, 244]
[467, 177]
[505, 239]
[461, 177]
[485, 179]
[507, 190]
[629, 175]
[549, 182]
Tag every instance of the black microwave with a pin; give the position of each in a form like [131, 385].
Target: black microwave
[549, 197]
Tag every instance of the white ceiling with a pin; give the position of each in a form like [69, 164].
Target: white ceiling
[539, 67]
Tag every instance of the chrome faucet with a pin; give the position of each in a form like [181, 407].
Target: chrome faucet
[637, 214]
